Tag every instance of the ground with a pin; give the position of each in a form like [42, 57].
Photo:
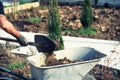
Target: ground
[106, 21]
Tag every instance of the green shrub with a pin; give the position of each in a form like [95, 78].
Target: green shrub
[86, 16]
[15, 65]
[90, 31]
[24, 2]
[35, 19]
[54, 26]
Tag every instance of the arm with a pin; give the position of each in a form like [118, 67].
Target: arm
[6, 25]
[9, 28]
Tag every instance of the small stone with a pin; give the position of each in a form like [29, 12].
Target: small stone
[103, 29]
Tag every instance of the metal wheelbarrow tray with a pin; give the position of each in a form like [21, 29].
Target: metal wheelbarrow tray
[72, 71]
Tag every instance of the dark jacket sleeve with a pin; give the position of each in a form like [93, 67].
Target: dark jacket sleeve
[1, 8]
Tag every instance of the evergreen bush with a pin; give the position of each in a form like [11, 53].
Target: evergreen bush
[54, 26]
[86, 16]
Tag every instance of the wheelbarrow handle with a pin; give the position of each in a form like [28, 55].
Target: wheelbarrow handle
[13, 73]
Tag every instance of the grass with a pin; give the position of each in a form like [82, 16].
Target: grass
[23, 2]
[26, 2]
[15, 65]
[42, 7]
[18, 12]
[35, 19]
[90, 31]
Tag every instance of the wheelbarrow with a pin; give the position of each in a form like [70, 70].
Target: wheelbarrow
[88, 57]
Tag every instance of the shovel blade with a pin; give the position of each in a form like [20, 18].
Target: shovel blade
[44, 44]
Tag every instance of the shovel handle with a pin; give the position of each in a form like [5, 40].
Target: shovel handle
[13, 40]
[8, 39]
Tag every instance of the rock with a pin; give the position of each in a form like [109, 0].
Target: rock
[96, 11]
[28, 14]
[42, 16]
[77, 21]
[43, 11]
[117, 28]
[79, 25]
[61, 11]
[70, 24]
[103, 29]
[62, 16]
[69, 8]
[96, 16]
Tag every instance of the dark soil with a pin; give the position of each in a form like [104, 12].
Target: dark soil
[106, 20]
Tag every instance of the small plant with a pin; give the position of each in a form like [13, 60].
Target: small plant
[18, 12]
[35, 19]
[15, 65]
[86, 17]
[42, 7]
[23, 2]
[90, 31]
[32, 9]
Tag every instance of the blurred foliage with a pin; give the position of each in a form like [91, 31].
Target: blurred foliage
[35, 19]
[15, 65]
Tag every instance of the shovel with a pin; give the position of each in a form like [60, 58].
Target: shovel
[42, 43]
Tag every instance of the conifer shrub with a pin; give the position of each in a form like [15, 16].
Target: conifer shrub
[54, 26]
[86, 16]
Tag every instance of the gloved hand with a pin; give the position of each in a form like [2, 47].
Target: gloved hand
[22, 40]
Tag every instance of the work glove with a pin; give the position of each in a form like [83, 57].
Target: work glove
[22, 40]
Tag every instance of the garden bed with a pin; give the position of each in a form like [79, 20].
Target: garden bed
[106, 22]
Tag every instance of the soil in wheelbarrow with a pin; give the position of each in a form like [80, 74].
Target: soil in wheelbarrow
[106, 20]
[52, 61]
[99, 72]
